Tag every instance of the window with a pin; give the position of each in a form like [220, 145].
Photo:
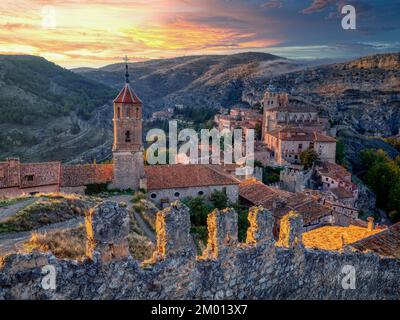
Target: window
[127, 111]
[127, 136]
[300, 145]
[153, 196]
[118, 112]
[29, 177]
[177, 194]
[201, 193]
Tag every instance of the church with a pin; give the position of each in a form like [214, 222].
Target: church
[163, 183]
[291, 126]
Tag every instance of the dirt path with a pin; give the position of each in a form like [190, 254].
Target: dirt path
[11, 242]
[12, 209]
[142, 224]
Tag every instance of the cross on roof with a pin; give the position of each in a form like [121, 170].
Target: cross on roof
[126, 69]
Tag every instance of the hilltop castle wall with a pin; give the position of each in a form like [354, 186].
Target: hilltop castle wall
[257, 269]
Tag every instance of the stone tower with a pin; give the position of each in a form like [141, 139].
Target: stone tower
[128, 148]
[273, 99]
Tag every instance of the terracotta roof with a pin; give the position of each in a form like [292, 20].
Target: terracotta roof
[127, 95]
[185, 176]
[334, 171]
[280, 202]
[335, 237]
[385, 243]
[299, 134]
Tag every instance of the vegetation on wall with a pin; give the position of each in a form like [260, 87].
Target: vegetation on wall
[382, 175]
[308, 158]
[200, 207]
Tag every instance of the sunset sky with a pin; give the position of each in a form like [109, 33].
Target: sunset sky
[76, 33]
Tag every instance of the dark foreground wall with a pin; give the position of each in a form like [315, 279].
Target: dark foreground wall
[259, 269]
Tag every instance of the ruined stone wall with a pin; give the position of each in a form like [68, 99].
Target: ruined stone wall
[9, 174]
[260, 268]
[40, 174]
[83, 174]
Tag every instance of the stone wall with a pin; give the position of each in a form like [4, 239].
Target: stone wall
[168, 195]
[260, 268]
[83, 174]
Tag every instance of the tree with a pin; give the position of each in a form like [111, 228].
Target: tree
[219, 199]
[308, 157]
[199, 210]
[340, 153]
[382, 175]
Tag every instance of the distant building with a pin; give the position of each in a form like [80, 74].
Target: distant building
[280, 111]
[286, 144]
[162, 115]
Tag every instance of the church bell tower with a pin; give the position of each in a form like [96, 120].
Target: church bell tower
[128, 147]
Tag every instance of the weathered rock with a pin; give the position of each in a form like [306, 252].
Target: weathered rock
[258, 270]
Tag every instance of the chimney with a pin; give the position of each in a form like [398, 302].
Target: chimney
[370, 223]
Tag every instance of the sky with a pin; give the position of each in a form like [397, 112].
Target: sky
[74, 33]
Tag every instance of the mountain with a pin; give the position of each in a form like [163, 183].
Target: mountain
[49, 113]
[216, 80]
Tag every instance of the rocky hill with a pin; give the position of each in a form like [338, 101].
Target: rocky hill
[217, 80]
[48, 112]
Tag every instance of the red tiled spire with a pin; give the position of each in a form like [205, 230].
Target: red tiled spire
[127, 95]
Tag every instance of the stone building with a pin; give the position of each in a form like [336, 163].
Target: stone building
[279, 110]
[168, 183]
[128, 147]
[286, 144]
[337, 181]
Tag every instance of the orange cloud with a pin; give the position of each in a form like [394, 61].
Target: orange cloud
[106, 30]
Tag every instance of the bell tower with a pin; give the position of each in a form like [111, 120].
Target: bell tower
[128, 146]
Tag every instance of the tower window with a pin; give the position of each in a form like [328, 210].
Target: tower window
[127, 136]
[118, 112]
[127, 112]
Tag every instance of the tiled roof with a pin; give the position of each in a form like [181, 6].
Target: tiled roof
[335, 237]
[127, 95]
[300, 134]
[385, 243]
[333, 170]
[280, 202]
[341, 193]
[185, 176]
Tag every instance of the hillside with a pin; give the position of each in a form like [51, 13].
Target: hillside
[48, 112]
[217, 80]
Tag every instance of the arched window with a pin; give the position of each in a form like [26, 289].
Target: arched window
[127, 136]
[127, 111]
[118, 112]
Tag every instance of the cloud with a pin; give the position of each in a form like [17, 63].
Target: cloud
[273, 4]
